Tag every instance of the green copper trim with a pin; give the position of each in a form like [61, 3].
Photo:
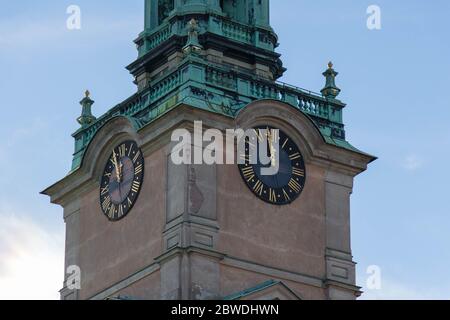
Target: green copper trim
[247, 292]
[258, 35]
[207, 87]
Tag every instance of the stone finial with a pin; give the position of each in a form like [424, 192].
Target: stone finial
[192, 44]
[330, 90]
[86, 117]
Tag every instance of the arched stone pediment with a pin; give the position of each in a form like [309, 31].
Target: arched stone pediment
[113, 132]
[285, 117]
[116, 130]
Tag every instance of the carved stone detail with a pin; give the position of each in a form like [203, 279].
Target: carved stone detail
[196, 197]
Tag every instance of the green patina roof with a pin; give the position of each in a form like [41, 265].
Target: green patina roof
[258, 288]
[247, 292]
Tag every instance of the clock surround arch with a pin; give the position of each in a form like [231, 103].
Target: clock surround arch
[283, 116]
[114, 132]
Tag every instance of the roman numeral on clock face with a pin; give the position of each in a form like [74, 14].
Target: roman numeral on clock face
[112, 212]
[136, 157]
[138, 169]
[249, 174]
[120, 213]
[295, 186]
[298, 172]
[122, 150]
[258, 187]
[135, 187]
[295, 156]
[245, 158]
[259, 135]
[104, 191]
[129, 151]
[272, 196]
[106, 203]
[286, 195]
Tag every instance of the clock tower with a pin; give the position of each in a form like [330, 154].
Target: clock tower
[140, 226]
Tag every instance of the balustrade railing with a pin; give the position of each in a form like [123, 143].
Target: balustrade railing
[155, 39]
[237, 31]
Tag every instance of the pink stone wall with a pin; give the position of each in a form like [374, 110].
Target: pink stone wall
[286, 237]
[110, 252]
[148, 288]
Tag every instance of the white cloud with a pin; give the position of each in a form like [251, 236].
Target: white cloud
[31, 259]
[412, 163]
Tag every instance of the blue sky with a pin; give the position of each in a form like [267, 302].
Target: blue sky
[394, 80]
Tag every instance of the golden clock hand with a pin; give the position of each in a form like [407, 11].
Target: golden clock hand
[120, 170]
[271, 147]
[269, 140]
[116, 165]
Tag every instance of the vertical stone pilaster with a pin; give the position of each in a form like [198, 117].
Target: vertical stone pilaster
[341, 275]
[171, 277]
[72, 253]
[191, 227]
[191, 218]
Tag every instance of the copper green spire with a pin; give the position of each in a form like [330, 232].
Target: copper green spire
[86, 117]
[330, 90]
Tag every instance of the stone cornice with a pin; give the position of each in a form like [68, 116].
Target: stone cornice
[316, 149]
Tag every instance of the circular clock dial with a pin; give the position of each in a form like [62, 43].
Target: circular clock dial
[121, 180]
[286, 185]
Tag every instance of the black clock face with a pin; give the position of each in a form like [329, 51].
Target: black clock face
[287, 184]
[121, 180]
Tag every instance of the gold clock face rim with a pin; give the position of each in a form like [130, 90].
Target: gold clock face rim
[302, 180]
[130, 151]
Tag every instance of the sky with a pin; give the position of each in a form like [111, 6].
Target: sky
[394, 80]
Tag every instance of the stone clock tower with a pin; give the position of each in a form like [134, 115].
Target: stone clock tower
[139, 226]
